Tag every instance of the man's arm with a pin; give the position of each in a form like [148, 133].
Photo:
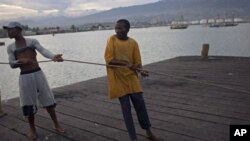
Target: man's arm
[46, 53]
[12, 60]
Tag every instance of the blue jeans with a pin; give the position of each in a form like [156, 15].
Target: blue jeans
[141, 111]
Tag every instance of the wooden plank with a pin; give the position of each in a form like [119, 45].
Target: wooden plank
[18, 123]
[163, 104]
[104, 117]
[8, 134]
[77, 129]
[105, 111]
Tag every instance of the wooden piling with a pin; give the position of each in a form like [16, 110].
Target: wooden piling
[204, 51]
[1, 111]
[2, 43]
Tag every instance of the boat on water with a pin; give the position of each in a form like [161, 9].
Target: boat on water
[178, 26]
[225, 24]
[214, 25]
[230, 24]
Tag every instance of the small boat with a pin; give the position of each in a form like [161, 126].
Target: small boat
[215, 25]
[230, 24]
[178, 26]
[226, 24]
[223, 23]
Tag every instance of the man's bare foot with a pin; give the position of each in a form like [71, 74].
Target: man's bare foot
[151, 136]
[32, 135]
[60, 129]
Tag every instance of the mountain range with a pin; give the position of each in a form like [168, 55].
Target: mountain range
[163, 10]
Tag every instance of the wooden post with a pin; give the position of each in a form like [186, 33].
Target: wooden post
[2, 43]
[1, 111]
[204, 51]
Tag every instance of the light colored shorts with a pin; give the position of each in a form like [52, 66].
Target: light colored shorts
[34, 87]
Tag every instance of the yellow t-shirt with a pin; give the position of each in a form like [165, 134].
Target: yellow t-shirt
[122, 81]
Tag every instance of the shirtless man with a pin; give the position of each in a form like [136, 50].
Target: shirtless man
[32, 81]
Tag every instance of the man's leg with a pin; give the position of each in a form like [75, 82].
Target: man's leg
[141, 111]
[127, 115]
[142, 114]
[46, 97]
[32, 133]
[52, 113]
[29, 111]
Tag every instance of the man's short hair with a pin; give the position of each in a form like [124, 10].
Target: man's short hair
[126, 22]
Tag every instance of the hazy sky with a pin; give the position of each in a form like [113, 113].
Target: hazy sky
[27, 8]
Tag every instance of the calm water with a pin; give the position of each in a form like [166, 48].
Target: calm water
[157, 43]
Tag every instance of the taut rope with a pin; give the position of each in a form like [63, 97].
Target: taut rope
[152, 72]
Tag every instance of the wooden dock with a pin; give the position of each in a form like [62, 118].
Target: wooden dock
[179, 109]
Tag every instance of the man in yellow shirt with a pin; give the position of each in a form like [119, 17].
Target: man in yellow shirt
[123, 82]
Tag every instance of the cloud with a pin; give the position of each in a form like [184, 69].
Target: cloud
[123, 3]
[39, 4]
[13, 11]
[78, 7]
[29, 8]
[50, 12]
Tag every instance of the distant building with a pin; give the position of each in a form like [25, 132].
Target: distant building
[29, 33]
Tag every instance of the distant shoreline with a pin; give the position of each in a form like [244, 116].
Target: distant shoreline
[94, 27]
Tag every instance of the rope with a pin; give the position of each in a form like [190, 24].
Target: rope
[45, 61]
[68, 60]
[91, 63]
[152, 72]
